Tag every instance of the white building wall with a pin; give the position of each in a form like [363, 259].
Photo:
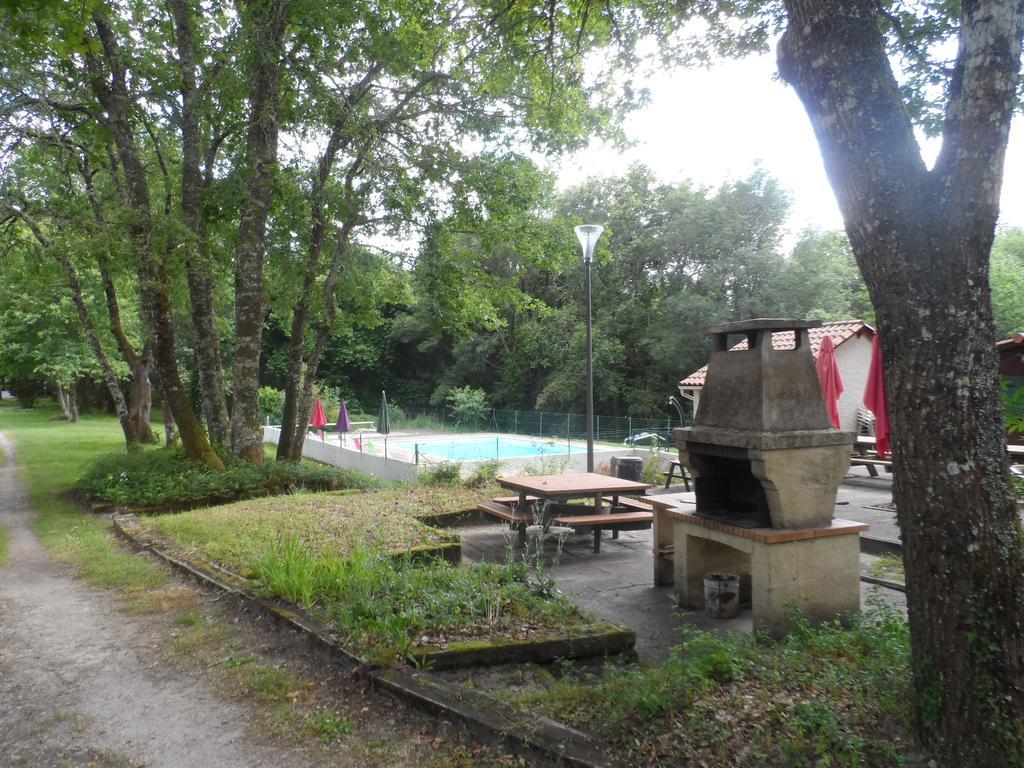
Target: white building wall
[853, 357]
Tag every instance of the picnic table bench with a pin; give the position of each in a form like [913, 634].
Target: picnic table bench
[555, 491]
[683, 475]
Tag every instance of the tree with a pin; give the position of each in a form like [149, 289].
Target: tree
[922, 239]
[108, 78]
[264, 23]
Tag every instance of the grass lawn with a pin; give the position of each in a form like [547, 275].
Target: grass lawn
[52, 456]
[238, 535]
[335, 555]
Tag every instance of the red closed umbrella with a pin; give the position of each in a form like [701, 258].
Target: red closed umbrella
[831, 381]
[319, 418]
[874, 399]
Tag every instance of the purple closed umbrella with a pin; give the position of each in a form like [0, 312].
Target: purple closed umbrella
[343, 425]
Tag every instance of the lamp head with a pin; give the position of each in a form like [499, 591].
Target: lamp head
[588, 234]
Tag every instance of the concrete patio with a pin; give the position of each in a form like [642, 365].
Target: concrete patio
[617, 583]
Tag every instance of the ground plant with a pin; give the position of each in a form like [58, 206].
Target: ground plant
[827, 696]
[238, 536]
[156, 478]
[348, 558]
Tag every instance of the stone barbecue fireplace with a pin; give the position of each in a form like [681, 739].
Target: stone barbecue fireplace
[767, 466]
[761, 448]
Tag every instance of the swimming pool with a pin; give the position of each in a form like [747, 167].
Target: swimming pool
[487, 448]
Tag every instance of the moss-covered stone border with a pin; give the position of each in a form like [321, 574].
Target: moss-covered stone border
[600, 640]
[537, 739]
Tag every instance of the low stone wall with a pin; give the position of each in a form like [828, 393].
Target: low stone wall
[336, 456]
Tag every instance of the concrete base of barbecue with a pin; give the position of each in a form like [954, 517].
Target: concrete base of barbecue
[814, 570]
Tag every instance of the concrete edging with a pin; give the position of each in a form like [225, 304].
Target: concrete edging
[534, 738]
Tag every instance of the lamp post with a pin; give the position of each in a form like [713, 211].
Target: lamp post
[588, 234]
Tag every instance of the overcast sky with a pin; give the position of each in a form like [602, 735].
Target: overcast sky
[715, 125]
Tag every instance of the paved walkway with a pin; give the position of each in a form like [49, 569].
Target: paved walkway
[617, 582]
[75, 684]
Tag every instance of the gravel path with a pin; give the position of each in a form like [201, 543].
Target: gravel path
[75, 684]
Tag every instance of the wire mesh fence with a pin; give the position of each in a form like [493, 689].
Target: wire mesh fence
[573, 426]
[551, 425]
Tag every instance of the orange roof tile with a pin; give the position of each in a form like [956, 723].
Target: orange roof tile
[840, 331]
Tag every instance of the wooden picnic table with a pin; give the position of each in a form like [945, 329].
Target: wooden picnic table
[865, 454]
[576, 485]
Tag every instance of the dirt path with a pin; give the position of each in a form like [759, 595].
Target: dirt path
[75, 685]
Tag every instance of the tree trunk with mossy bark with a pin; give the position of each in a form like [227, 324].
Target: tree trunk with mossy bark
[265, 22]
[154, 282]
[922, 240]
[197, 261]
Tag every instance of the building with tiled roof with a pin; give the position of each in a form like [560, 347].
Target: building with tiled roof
[852, 339]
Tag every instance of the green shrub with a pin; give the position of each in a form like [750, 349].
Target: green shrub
[169, 477]
[271, 404]
[822, 696]
[444, 473]
[385, 606]
[468, 405]
[26, 392]
[484, 473]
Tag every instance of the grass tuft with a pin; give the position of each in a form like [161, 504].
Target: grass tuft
[328, 725]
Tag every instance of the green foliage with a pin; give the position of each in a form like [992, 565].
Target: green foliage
[1013, 406]
[822, 696]
[1007, 279]
[271, 404]
[500, 298]
[328, 725]
[442, 473]
[386, 607]
[169, 477]
[26, 392]
[483, 473]
[468, 405]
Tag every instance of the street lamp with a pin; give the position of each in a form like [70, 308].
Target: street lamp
[588, 234]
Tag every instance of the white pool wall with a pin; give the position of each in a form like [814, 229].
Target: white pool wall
[399, 467]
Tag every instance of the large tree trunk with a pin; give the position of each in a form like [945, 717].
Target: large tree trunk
[197, 266]
[265, 21]
[922, 240]
[154, 282]
[128, 427]
[294, 418]
[140, 402]
[304, 400]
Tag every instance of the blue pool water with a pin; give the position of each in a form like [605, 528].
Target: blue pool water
[486, 448]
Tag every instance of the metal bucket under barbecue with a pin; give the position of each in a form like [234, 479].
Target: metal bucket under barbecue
[722, 595]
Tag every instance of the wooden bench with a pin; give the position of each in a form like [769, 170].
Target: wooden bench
[613, 521]
[513, 499]
[504, 512]
[871, 463]
[634, 504]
